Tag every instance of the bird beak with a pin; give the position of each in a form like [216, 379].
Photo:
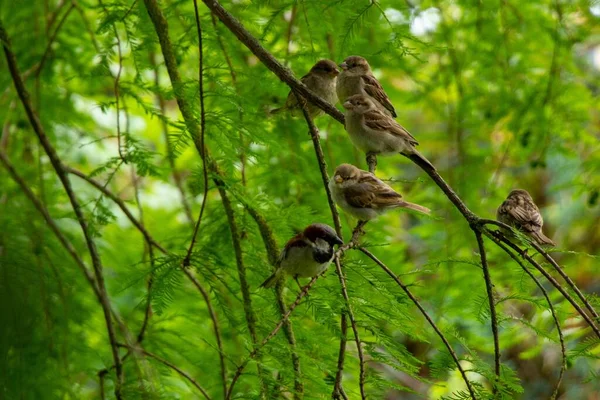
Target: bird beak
[343, 66]
[337, 240]
[336, 72]
[348, 106]
[338, 179]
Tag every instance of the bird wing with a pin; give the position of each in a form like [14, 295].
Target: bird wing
[296, 241]
[370, 192]
[378, 121]
[292, 100]
[375, 90]
[527, 215]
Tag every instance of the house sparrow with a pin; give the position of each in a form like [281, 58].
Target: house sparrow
[363, 195]
[321, 79]
[520, 212]
[306, 255]
[356, 78]
[374, 132]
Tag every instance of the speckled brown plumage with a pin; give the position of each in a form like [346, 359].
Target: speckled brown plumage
[520, 212]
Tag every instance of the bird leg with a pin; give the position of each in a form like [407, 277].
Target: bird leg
[372, 162]
[298, 282]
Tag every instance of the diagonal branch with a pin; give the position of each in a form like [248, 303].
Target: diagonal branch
[269, 61]
[63, 177]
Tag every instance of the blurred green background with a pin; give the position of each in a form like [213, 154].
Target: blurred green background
[500, 95]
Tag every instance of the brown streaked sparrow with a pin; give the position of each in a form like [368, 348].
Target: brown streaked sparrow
[306, 255]
[520, 212]
[356, 78]
[321, 79]
[374, 132]
[363, 195]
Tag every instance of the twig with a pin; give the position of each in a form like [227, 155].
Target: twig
[269, 61]
[62, 175]
[40, 66]
[337, 386]
[270, 336]
[342, 278]
[170, 365]
[490, 295]
[241, 267]
[102, 188]
[563, 349]
[314, 135]
[427, 317]
[567, 279]
[498, 237]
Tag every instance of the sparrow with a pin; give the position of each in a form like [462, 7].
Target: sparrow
[321, 79]
[362, 195]
[520, 212]
[374, 132]
[306, 255]
[356, 78]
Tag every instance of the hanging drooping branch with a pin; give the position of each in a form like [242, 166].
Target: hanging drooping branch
[563, 349]
[361, 358]
[492, 305]
[66, 183]
[498, 237]
[427, 317]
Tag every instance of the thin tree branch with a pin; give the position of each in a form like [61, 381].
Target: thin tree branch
[186, 260]
[563, 349]
[490, 294]
[567, 279]
[342, 278]
[427, 317]
[102, 188]
[269, 61]
[40, 66]
[338, 391]
[62, 175]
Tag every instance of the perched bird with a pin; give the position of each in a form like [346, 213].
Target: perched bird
[356, 78]
[520, 212]
[363, 195]
[374, 132]
[321, 79]
[306, 255]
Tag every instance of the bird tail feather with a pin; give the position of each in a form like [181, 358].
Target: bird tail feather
[416, 207]
[542, 239]
[271, 280]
